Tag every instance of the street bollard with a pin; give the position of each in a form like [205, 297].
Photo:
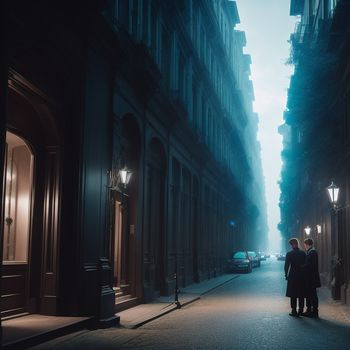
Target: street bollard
[177, 302]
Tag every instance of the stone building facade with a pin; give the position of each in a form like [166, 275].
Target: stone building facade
[316, 137]
[161, 87]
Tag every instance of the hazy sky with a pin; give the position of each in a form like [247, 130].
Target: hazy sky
[267, 25]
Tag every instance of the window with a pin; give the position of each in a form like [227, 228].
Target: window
[154, 33]
[18, 191]
[194, 103]
[182, 78]
[240, 255]
[202, 45]
[123, 13]
[300, 136]
[146, 22]
[166, 58]
[135, 19]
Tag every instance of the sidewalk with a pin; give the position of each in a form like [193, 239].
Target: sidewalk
[24, 331]
[29, 330]
[143, 313]
[336, 308]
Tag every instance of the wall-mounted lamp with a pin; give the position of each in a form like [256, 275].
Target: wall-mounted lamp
[115, 178]
[125, 175]
[319, 228]
[307, 230]
[333, 192]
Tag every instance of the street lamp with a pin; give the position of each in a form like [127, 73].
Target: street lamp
[333, 192]
[307, 230]
[232, 224]
[125, 175]
[319, 228]
[122, 177]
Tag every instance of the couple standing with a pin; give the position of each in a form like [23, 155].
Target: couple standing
[301, 272]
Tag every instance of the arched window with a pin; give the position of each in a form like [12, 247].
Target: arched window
[18, 192]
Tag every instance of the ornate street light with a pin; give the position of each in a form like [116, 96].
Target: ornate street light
[319, 228]
[307, 230]
[333, 192]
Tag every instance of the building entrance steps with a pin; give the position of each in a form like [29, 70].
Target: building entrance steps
[24, 331]
[141, 314]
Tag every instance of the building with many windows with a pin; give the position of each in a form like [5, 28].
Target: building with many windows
[316, 137]
[159, 87]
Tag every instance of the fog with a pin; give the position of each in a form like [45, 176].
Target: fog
[268, 26]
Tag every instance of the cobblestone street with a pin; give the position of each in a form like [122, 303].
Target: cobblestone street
[250, 312]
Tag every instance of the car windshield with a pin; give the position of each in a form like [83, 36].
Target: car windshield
[251, 254]
[239, 255]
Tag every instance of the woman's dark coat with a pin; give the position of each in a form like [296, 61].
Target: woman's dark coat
[293, 271]
[311, 273]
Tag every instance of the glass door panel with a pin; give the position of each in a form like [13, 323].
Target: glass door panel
[18, 192]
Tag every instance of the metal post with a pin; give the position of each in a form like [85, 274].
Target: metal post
[177, 302]
[335, 262]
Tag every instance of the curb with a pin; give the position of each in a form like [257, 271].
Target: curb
[174, 307]
[152, 318]
[220, 285]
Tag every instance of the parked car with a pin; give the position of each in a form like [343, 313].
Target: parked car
[254, 258]
[281, 257]
[240, 262]
[268, 255]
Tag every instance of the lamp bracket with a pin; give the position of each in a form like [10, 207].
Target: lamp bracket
[340, 207]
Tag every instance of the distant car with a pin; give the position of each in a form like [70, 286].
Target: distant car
[268, 255]
[240, 261]
[281, 257]
[254, 258]
[262, 256]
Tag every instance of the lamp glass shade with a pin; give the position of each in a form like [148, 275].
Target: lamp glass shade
[319, 228]
[128, 177]
[333, 191]
[125, 176]
[307, 230]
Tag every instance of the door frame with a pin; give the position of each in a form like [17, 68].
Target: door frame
[40, 132]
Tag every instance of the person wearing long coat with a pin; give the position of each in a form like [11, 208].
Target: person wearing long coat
[295, 259]
[312, 279]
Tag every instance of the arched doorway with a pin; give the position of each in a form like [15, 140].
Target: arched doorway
[154, 235]
[32, 201]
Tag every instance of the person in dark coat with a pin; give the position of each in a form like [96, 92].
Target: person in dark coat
[295, 259]
[312, 279]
